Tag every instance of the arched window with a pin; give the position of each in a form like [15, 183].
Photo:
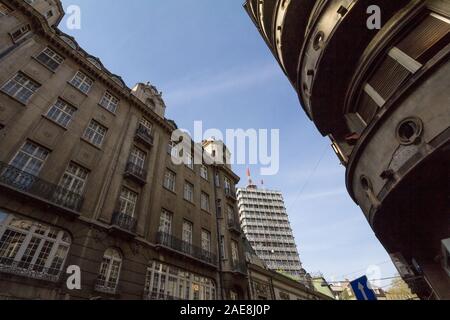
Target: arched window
[108, 277]
[32, 249]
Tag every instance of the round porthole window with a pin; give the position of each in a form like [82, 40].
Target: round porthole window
[318, 40]
[409, 130]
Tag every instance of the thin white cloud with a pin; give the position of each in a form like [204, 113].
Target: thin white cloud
[214, 84]
[323, 194]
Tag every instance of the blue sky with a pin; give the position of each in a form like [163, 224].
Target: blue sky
[212, 65]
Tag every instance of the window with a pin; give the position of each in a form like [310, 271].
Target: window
[204, 172]
[146, 125]
[20, 33]
[20, 87]
[217, 180]
[31, 249]
[95, 133]
[189, 161]
[222, 247]
[4, 10]
[61, 112]
[109, 102]
[230, 214]
[50, 59]
[172, 149]
[127, 202]
[108, 277]
[187, 232]
[234, 252]
[82, 82]
[189, 192]
[30, 158]
[165, 222]
[169, 180]
[137, 158]
[74, 179]
[206, 241]
[204, 201]
[49, 14]
[164, 282]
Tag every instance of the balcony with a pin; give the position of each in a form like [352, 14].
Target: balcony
[234, 225]
[108, 287]
[230, 193]
[136, 173]
[239, 268]
[144, 135]
[169, 241]
[34, 187]
[24, 269]
[123, 224]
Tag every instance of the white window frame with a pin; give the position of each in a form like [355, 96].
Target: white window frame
[50, 59]
[95, 133]
[82, 82]
[204, 172]
[110, 102]
[23, 31]
[20, 87]
[137, 157]
[188, 191]
[128, 202]
[205, 202]
[170, 178]
[36, 254]
[165, 222]
[38, 156]
[61, 112]
[188, 230]
[111, 263]
[206, 241]
[74, 178]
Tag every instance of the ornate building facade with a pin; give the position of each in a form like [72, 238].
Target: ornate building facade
[87, 180]
[374, 76]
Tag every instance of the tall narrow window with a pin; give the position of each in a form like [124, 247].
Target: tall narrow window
[95, 133]
[50, 59]
[204, 201]
[206, 242]
[127, 202]
[230, 214]
[20, 87]
[61, 112]
[165, 222]
[188, 229]
[234, 252]
[82, 82]
[169, 180]
[189, 191]
[137, 158]
[204, 172]
[222, 247]
[109, 102]
[189, 161]
[109, 274]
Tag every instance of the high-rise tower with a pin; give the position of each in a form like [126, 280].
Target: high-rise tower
[265, 223]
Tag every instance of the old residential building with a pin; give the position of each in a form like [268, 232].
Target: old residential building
[86, 179]
[265, 223]
[374, 76]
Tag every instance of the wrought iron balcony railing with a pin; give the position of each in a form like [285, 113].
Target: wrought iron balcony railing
[234, 225]
[230, 193]
[25, 269]
[124, 221]
[136, 172]
[239, 267]
[108, 287]
[158, 296]
[29, 184]
[145, 135]
[184, 247]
